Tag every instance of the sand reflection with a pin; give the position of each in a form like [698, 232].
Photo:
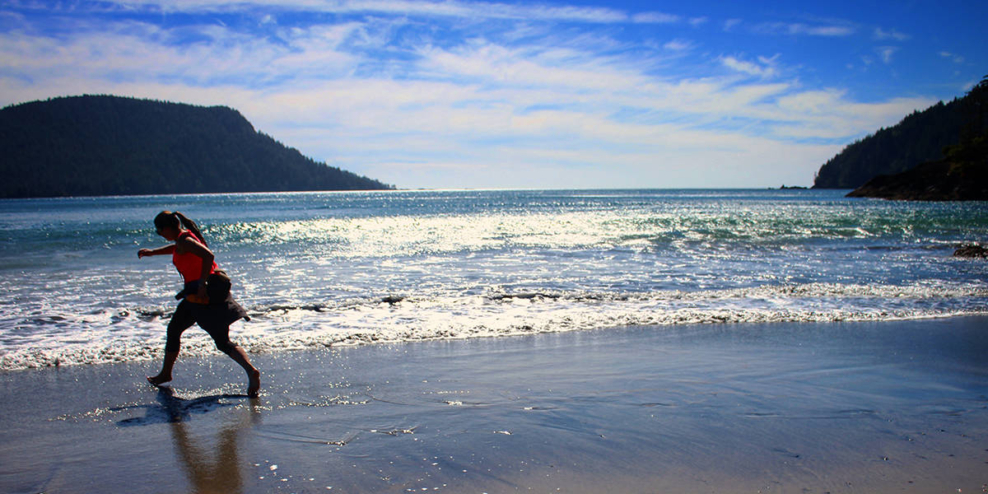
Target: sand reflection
[210, 466]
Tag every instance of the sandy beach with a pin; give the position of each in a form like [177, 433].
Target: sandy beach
[817, 407]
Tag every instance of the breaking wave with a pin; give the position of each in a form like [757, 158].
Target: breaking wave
[137, 334]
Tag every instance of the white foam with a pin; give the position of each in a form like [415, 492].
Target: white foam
[136, 336]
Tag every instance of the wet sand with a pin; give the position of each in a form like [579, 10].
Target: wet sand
[841, 407]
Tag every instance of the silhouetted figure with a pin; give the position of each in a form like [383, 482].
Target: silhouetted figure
[206, 298]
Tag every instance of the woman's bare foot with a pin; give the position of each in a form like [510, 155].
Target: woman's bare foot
[158, 380]
[255, 383]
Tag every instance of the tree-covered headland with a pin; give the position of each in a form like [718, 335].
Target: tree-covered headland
[962, 173]
[921, 137]
[109, 145]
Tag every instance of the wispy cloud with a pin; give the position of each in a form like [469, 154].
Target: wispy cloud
[765, 68]
[431, 94]
[655, 18]
[678, 45]
[800, 29]
[881, 34]
[886, 53]
[415, 8]
[952, 57]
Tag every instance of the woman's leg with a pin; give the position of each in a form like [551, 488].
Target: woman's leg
[221, 336]
[166, 369]
[181, 320]
[253, 375]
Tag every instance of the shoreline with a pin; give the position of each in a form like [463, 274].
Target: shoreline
[395, 324]
[777, 407]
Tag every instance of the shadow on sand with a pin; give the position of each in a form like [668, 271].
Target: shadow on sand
[171, 409]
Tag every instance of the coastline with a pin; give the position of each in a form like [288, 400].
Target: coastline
[778, 407]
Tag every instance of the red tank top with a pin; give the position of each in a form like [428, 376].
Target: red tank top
[189, 264]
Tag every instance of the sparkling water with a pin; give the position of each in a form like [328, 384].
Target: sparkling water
[323, 269]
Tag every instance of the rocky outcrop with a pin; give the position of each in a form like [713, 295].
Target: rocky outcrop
[972, 251]
[937, 181]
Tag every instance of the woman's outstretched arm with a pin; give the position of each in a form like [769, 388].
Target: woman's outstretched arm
[160, 251]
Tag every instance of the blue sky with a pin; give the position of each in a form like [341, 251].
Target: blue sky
[458, 94]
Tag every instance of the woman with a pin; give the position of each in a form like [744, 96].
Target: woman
[206, 299]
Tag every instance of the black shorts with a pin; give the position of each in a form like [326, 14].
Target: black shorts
[215, 318]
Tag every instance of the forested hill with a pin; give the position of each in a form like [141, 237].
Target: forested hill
[918, 138]
[108, 145]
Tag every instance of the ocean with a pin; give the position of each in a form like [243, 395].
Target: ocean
[345, 268]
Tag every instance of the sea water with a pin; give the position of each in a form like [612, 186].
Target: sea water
[342, 268]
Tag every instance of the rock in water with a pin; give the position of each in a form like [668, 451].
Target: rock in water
[972, 251]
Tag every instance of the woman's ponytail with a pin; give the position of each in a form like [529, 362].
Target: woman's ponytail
[191, 226]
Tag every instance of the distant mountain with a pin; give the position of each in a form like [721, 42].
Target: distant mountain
[108, 145]
[919, 138]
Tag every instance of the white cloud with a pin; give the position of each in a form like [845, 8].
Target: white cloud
[678, 45]
[828, 113]
[952, 57]
[655, 18]
[797, 29]
[698, 21]
[765, 69]
[886, 53]
[415, 8]
[731, 24]
[495, 64]
[769, 61]
[881, 34]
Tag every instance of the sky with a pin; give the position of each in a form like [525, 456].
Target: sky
[560, 94]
